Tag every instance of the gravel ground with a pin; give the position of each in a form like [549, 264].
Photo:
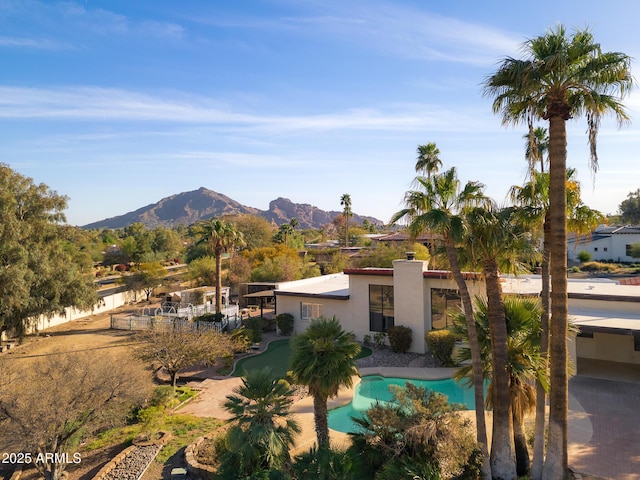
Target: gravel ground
[384, 357]
[132, 466]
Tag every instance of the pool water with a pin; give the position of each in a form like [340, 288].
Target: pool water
[374, 388]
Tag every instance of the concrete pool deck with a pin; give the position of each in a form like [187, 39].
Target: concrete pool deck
[603, 418]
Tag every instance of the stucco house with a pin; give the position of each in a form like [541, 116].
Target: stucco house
[369, 300]
[606, 243]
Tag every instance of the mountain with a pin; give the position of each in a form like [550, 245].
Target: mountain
[190, 207]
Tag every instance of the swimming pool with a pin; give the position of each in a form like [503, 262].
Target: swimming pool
[375, 387]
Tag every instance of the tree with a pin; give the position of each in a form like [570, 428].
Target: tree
[560, 77]
[146, 277]
[634, 250]
[218, 236]
[438, 207]
[630, 208]
[428, 161]
[525, 364]
[324, 360]
[496, 242]
[38, 276]
[256, 231]
[345, 201]
[202, 271]
[263, 431]
[59, 400]
[180, 346]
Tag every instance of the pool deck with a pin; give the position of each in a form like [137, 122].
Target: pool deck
[603, 438]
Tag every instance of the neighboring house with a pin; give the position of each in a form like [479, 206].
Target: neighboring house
[396, 238]
[370, 300]
[606, 243]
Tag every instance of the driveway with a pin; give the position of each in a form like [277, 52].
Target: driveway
[613, 407]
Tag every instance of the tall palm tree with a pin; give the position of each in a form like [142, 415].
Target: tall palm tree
[428, 161]
[496, 243]
[324, 360]
[438, 207]
[345, 201]
[217, 236]
[537, 148]
[525, 364]
[264, 430]
[560, 77]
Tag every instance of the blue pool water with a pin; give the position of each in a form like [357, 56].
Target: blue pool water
[373, 388]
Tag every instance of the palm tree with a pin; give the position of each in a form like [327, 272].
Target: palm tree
[525, 364]
[437, 207]
[324, 360]
[428, 161]
[345, 201]
[496, 243]
[533, 198]
[218, 236]
[560, 78]
[264, 430]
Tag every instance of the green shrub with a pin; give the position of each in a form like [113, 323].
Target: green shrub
[285, 323]
[575, 270]
[254, 327]
[366, 340]
[584, 256]
[380, 339]
[399, 338]
[440, 343]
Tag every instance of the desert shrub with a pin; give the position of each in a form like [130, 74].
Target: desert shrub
[285, 323]
[584, 256]
[121, 267]
[599, 267]
[254, 326]
[242, 340]
[575, 270]
[399, 338]
[366, 340]
[440, 343]
[380, 339]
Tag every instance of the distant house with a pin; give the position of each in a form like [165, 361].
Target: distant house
[370, 300]
[426, 239]
[606, 243]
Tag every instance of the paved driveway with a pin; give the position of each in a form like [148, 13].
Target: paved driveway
[614, 410]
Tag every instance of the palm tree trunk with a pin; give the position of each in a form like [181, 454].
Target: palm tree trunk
[520, 443]
[503, 465]
[556, 461]
[541, 395]
[218, 253]
[320, 420]
[476, 357]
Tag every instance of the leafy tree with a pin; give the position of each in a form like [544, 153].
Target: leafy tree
[438, 206]
[146, 277]
[58, 401]
[560, 77]
[634, 250]
[202, 271]
[179, 347]
[263, 429]
[38, 276]
[630, 208]
[382, 256]
[345, 201]
[256, 231]
[166, 243]
[324, 360]
[218, 236]
[418, 434]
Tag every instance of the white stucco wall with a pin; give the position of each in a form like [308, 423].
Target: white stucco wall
[606, 346]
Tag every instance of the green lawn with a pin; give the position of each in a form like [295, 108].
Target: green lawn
[277, 357]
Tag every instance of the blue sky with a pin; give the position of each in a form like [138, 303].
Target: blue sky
[120, 103]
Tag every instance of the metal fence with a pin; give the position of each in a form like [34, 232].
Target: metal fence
[160, 323]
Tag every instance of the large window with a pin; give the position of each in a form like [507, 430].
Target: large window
[310, 311]
[443, 301]
[380, 307]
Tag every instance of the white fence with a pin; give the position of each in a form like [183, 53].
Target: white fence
[146, 322]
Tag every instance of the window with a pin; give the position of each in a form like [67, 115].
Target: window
[636, 342]
[442, 302]
[380, 307]
[606, 249]
[582, 334]
[595, 249]
[627, 250]
[310, 311]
